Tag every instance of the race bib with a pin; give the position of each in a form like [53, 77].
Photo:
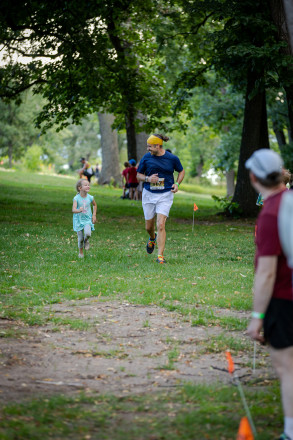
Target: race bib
[158, 185]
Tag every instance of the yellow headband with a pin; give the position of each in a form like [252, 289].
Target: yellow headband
[153, 140]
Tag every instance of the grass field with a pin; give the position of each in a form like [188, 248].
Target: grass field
[209, 268]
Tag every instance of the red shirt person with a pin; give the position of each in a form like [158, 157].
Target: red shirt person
[132, 180]
[124, 179]
[273, 295]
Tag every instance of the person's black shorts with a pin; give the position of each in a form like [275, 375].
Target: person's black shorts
[133, 185]
[88, 175]
[278, 323]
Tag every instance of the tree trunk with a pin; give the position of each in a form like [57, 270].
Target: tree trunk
[110, 154]
[141, 139]
[289, 97]
[288, 6]
[199, 168]
[280, 136]
[254, 137]
[282, 14]
[230, 179]
[131, 134]
[141, 144]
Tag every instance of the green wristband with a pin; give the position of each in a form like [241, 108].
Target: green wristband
[257, 315]
[176, 183]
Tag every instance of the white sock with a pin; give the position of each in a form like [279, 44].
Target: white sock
[288, 426]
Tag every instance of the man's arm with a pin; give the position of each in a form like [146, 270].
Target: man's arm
[179, 180]
[264, 281]
[153, 178]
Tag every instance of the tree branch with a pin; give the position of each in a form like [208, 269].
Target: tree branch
[16, 91]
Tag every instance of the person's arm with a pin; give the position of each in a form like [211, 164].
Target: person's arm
[76, 210]
[180, 178]
[153, 178]
[94, 211]
[264, 281]
[84, 167]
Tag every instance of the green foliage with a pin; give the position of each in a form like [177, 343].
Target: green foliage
[107, 63]
[287, 155]
[32, 158]
[17, 130]
[230, 209]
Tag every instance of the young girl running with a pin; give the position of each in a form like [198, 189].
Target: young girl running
[83, 219]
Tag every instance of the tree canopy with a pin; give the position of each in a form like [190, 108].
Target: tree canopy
[141, 60]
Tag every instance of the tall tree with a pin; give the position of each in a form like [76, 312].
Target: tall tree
[83, 57]
[110, 153]
[241, 43]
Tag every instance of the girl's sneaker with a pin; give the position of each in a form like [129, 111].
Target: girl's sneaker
[161, 259]
[80, 256]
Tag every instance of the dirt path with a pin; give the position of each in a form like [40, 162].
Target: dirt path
[128, 349]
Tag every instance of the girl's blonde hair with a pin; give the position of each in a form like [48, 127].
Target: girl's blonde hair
[79, 184]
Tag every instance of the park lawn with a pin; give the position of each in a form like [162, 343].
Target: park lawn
[209, 270]
[190, 413]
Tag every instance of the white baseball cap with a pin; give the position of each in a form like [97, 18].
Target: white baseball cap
[263, 162]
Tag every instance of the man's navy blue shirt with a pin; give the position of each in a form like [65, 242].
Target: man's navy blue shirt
[164, 166]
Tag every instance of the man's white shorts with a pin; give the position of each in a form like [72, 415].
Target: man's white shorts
[153, 203]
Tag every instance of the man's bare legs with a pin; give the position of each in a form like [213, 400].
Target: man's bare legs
[161, 237]
[282, 360]
[161, 228]
[150, 227]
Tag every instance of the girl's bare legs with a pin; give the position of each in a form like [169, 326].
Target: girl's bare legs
[87, 234]
[80, 243]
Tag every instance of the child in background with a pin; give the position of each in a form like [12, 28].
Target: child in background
[287, 181]
[83, 219]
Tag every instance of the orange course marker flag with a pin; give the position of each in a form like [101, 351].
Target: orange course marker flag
[245, 431]
[230, 362]
[195, 208]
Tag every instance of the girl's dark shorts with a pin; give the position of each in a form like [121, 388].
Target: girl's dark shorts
[278, 323]
[133, 185]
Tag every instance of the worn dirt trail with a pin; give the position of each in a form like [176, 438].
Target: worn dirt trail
[128, 349]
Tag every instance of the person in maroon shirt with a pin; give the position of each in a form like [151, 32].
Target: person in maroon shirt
[273, 294]
[132, 180]
[124, 179]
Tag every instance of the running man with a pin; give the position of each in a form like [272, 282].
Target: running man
[156, 170]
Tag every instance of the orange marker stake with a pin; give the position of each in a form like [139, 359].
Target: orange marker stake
[244, 431]
[231, 368]
[195, 208]
[232, 371]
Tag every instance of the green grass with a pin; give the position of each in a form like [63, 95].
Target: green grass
[208, 277]
[210, 267]
[189, 413]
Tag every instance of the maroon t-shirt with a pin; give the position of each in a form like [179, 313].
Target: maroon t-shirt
[125, 172]
[268, 243]
[132, 175]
